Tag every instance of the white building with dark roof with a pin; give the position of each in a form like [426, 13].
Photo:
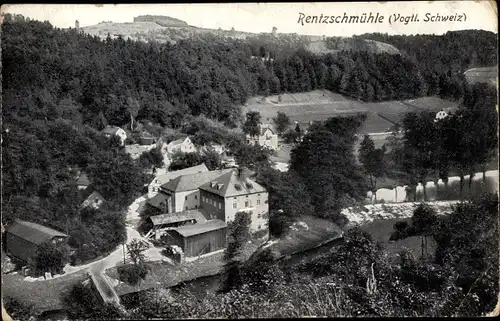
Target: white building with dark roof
[267, 138]
[110, 131]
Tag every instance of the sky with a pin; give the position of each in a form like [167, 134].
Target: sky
[263, 17]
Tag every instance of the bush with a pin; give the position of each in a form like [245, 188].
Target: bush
[132, 274]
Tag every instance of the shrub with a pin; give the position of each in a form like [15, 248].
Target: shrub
[133, 273]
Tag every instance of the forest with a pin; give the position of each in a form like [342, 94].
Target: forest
[60, 87]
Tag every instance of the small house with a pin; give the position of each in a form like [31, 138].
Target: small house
[136, 150]
[83, 181]
[23, 238]
[94, 200]
[202, 238]
[110, 131]
[267, 138]
[184, 145]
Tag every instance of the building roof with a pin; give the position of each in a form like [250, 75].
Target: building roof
[111, 130]
[83, 180]
[177, 142]
[157, 200]
[93, 196]
[264, 127]
[193, 181]
[178, 217]
[33, 232]
[137, 149]
[197, 229]
[162, 179]
[231, 184]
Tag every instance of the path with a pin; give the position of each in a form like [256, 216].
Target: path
[117, 256]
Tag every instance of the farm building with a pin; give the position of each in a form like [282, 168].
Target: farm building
[203, 238]
[162, 223]
[23, 238]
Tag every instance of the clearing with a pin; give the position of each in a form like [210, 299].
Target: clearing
[321, 104]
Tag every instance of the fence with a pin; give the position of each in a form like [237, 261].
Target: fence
[450, 191]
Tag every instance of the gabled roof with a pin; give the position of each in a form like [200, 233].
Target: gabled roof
[138, 149]
[157, 200]
[162, 179]
[93, 196]
[178, 141]
[265, 127]
[196, 229]
[33, 232]
[231, 184]
[197, 215]
[111, 130]
[83, 180]
[193, 181]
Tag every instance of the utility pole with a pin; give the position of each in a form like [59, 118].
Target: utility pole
[123, 246]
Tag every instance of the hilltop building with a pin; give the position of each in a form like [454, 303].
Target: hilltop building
[110, 131]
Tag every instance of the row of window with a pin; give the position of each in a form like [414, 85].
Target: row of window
[248, 203]
[211, 202]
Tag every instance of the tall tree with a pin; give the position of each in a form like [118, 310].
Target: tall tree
[282, 122]
[373, 161]
[252, 123]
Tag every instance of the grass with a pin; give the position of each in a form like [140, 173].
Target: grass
[318, 232]
[43, 295]
[381, 230]
[321, 104]
[168, 275]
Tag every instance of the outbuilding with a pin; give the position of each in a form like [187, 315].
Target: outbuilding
[23, 238]
[202, 238]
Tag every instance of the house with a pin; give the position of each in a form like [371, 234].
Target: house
[445, 112]
[234, 192]
[202, 238]
[165, 222]
[23, 238]
[110, 131]
[267, 138]
[184, 145]
[161, 179]
[94, 200]
[147, 139]
[83, 181]
[219, 149]
[136, 150]
[182, 193]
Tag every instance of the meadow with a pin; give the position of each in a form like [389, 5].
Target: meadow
[321, 104]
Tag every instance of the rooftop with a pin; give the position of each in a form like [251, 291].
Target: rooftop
[162, 179]
[111, 130]
[178, 217]
[33, 232]
[193, 181]
[83, 180]
[231, 184]
[196, 229]
[158, 200]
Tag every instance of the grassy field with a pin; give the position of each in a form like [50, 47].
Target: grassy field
[43, 295]
[381, 230]
[321, 104]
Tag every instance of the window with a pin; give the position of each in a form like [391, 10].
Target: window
[258, 202]
[196, 197]
[246, 203]
[185, 198]
[196, 206]
[220, 206]
[186, 208]
[249, 202]
[260, 226]
[203, 198]
[234, 205]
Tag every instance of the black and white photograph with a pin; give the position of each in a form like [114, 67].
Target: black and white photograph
[249, 160]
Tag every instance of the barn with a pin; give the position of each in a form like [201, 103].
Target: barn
[202, 238]
[23, 238]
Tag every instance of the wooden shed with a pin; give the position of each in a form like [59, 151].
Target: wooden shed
[23, 238]
[203, 238]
